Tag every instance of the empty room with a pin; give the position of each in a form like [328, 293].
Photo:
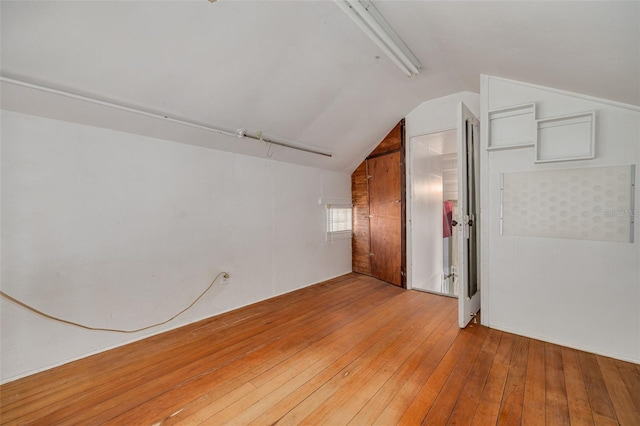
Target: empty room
[319, 212]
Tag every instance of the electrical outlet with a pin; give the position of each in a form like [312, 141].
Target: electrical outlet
[225, 279]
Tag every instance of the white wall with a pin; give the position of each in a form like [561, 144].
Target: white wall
[423, 240]
[582, 294]
[439, 114]
[117, 230]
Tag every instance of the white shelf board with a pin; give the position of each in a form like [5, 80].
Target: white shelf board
[566, 138]
[500, 148]
[512, 127]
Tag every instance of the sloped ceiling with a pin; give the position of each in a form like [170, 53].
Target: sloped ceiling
[300, 71]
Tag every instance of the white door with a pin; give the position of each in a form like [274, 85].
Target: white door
[468, 220]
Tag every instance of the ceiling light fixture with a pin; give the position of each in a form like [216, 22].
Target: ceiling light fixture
[367, 17]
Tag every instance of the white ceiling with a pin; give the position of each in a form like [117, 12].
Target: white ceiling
[301, 71]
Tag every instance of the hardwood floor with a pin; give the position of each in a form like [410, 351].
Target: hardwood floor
[351, 350]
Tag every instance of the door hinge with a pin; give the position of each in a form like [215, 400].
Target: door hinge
[370, 254]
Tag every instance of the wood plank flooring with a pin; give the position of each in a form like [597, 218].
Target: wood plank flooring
[352, 350]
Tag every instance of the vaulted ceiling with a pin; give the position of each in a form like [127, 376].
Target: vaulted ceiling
[300, 71]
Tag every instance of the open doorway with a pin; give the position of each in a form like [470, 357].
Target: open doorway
[434, 212]
[443, 214]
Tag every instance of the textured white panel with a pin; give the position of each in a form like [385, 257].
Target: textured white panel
[586, 203]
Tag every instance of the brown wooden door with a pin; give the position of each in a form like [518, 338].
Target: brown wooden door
[385, 208]
[361, 245]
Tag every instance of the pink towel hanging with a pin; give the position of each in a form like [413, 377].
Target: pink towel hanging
[447, 217]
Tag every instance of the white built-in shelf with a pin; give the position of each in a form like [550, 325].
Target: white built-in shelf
[512, 127]
[566, 138]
